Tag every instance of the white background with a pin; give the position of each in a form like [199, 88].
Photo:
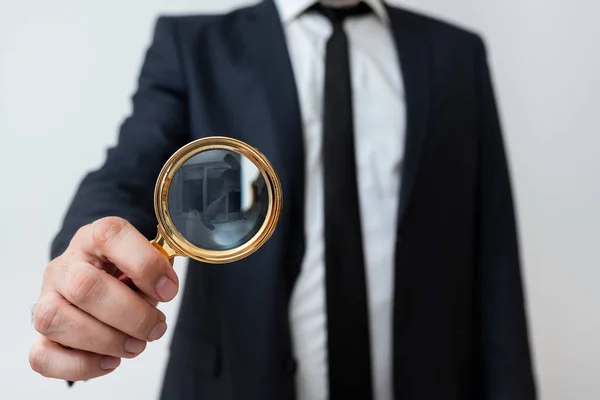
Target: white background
[68, 68]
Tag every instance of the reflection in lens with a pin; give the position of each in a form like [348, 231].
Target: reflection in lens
[218, 200]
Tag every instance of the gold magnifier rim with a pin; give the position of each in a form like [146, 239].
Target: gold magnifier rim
[176, 242]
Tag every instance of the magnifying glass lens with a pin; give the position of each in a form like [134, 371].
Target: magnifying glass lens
[218, 199]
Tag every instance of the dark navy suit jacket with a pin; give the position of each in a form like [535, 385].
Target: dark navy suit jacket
[460, 329]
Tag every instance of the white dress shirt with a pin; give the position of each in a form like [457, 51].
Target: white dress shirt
[379, 115]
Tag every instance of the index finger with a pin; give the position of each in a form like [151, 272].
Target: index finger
[115, 240]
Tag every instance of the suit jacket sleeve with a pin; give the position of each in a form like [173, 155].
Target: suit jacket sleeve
[157, 126]
[505, 371]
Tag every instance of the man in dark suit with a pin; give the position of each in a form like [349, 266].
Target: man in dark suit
[404, 283]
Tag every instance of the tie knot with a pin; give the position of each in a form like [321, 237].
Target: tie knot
[337, 14]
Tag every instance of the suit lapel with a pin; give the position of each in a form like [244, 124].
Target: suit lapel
[266, 51]
[413, 52]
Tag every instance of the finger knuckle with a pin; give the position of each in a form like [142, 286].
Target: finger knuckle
[48, 316]
[82, 332]
[81, 233]
[81, 367]
[145, 323]
[82, 230]
[88, 340]
[148, 266]
[107, 229]
[55, 270]
[110, 344]
[86, 286]
[39, 360]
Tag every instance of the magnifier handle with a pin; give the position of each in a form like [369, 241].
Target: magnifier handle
[161, 244]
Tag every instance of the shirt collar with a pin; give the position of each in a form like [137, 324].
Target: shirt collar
[291, 9]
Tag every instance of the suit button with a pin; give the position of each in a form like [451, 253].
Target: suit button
[290, 366]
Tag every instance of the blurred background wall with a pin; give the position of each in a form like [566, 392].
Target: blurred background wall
[68, 68]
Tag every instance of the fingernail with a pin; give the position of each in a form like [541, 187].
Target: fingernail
[166, 289]
[134, 346]
[158, 331]
[109, 362]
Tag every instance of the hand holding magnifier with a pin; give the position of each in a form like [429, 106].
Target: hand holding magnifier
[217, 200]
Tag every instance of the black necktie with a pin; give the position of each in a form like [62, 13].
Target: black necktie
[349, 357]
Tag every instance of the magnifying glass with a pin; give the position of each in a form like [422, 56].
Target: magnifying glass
[217, 200]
